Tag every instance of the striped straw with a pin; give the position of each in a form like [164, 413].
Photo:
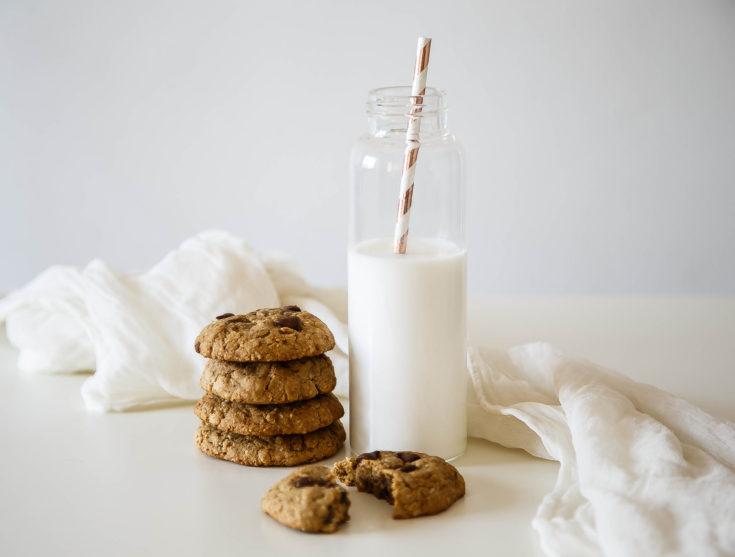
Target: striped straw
[418, 89]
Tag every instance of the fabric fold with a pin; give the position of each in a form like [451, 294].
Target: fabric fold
[137, 331]
[642, 472]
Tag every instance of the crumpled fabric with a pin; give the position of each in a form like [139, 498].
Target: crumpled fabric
[641, 471]
[137, 331]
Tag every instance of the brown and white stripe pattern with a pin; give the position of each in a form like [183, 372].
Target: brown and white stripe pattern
[418, 89]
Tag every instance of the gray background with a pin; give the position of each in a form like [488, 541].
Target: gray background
[600, 136]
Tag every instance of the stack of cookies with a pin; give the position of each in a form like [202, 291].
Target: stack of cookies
[268, 386]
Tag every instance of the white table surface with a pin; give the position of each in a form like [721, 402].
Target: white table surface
[75, 482]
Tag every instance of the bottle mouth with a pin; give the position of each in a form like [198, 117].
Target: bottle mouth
[398, 101]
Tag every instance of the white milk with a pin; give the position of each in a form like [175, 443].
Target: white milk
[407, 347]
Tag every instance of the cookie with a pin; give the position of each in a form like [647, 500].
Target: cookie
[414, 483]
[265, 335]
[269, 419]
[308, 499]
[279, 450]
[269, 382]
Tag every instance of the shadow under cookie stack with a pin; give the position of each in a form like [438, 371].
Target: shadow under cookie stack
[268, 386]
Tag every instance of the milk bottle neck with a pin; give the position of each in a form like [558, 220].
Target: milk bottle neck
[388, 110]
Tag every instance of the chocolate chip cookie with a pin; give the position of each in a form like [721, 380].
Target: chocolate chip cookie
[269, 419]
[414, 483]
[279, 450]
[269, 382]
[265, 335]
[308, 499]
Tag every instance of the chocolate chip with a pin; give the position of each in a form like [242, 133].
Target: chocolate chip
[330, 515]
[408, 457]
[290, 321]
[290, 308]
[383, 489]
[305, 481]
[225, 315]
[375, 455]
[196, 346]
[408, 468]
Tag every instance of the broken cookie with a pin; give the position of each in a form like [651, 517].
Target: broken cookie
[308, 499]
[415, 484]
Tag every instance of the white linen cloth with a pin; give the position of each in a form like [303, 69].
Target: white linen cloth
[137, 331]
[641, 472]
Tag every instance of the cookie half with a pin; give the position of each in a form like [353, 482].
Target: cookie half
[308, 499]
[265, 335]
[415, 484]
[279, 450]
[269, 382]
[269, 419]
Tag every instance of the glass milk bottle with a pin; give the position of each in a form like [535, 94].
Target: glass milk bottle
[407, 312]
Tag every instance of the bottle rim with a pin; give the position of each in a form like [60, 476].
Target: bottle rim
[398, 101]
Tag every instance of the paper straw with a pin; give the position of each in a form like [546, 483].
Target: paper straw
[418, 89]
